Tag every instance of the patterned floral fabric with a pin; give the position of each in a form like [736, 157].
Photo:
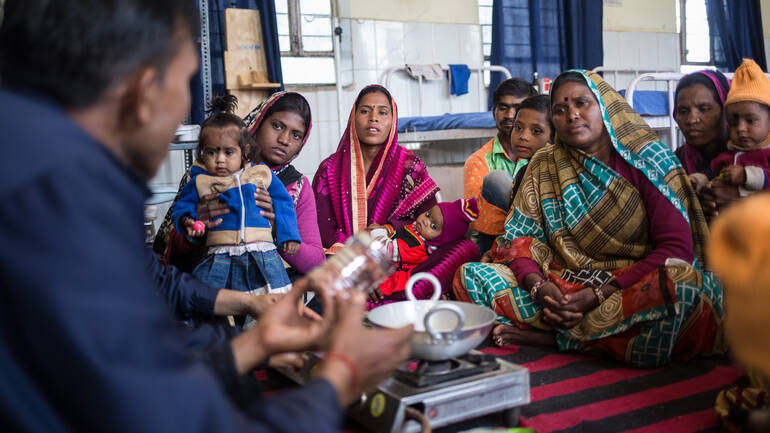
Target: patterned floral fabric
[584, 224]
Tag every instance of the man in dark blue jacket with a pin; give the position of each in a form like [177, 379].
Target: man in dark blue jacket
[92, 91]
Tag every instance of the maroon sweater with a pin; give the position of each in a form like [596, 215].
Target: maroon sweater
[669, 232]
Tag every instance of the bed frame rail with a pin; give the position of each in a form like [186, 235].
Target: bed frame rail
[479, 70]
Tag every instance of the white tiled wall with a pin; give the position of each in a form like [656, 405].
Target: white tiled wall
[641, 51]
[370, 47]
[377, 46]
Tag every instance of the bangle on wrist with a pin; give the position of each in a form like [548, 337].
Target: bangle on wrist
[599, 295]
[351, 367]
[536, 288]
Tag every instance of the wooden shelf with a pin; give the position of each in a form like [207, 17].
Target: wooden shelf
[258, 86]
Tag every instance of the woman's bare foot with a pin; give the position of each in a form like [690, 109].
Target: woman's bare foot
[507, 335]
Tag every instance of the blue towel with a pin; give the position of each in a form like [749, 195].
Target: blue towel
[460, 75]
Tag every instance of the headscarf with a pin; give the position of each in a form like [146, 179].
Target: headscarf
[394, 188]
[285, 172]
[692, 156]
[573, 203]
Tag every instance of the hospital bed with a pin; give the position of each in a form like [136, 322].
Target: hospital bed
[451, 126]
[652, 102]
[656, 107]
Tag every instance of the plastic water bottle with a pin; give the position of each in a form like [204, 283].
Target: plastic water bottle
[360, 265]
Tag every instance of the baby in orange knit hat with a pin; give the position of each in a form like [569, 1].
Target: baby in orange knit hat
[746, 164]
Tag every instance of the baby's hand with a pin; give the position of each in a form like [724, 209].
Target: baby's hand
[194, 231]
[487, 257]
[693, 180]
[734, 174]
[291, 247]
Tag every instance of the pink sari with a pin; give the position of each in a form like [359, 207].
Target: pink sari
[393, 192]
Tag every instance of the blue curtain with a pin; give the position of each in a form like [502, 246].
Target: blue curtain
[545, 36]
[735, 32]
[217, 46]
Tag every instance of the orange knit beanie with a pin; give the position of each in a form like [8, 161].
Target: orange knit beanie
[739, 252]
[749, 84]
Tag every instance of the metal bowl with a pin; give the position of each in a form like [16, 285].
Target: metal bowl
[443, 329]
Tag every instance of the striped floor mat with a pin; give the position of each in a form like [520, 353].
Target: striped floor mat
[573, 393]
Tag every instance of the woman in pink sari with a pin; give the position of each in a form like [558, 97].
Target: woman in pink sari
[371, 182]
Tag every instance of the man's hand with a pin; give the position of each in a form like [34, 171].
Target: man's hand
[294, 361]
[281, 328]
[351, 341]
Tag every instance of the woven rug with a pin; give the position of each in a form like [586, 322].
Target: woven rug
[573, 393]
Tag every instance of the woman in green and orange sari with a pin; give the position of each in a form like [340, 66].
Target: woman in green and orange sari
[603, 250]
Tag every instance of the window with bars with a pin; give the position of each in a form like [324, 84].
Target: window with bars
[305, 39]
[485, 21]
[693, 29]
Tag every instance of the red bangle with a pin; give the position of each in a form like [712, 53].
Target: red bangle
[352, 367]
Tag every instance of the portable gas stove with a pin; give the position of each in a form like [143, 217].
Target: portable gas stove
[444, 393]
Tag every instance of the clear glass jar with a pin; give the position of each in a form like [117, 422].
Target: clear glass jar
[362, 264]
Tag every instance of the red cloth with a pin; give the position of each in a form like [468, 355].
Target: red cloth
[412, 251]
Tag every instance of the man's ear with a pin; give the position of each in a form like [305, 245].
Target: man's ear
[139, 96]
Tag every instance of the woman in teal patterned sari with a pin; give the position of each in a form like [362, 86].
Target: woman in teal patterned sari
[603, 250]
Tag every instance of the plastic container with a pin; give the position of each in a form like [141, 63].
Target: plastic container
[360, 265]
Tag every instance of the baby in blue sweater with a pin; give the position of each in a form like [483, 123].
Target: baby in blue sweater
[242, 254]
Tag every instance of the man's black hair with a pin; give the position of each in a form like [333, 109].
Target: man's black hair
[517, 87]
[73, 51]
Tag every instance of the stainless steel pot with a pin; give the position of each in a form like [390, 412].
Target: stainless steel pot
[443, 329]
